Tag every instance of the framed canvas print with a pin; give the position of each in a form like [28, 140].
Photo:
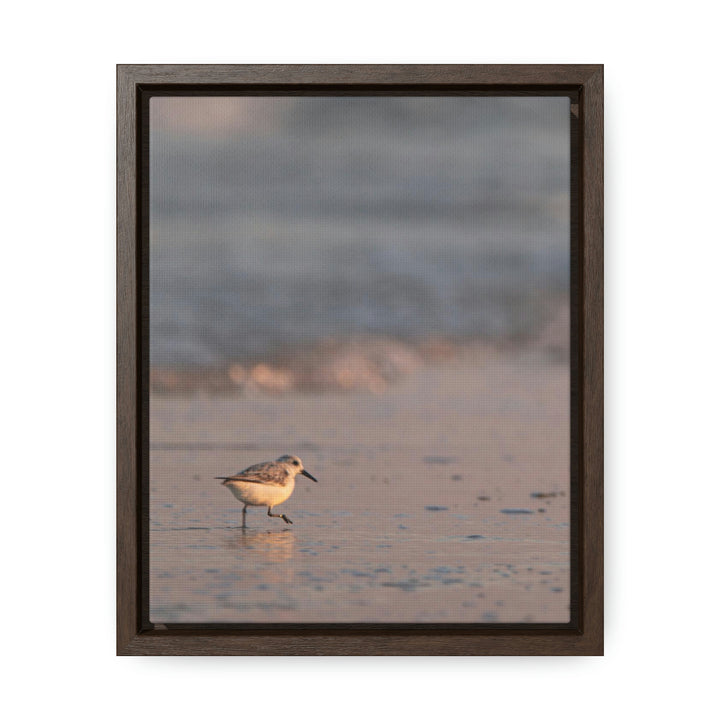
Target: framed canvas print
[359, 359]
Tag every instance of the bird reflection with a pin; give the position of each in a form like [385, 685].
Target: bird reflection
[269, 545]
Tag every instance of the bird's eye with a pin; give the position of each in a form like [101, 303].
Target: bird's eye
[295, 462]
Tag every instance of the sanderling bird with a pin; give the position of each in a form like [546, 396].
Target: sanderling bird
[266, 484]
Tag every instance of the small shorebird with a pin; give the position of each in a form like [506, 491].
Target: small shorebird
[266, 484]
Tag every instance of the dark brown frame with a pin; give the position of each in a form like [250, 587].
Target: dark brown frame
[584, 635]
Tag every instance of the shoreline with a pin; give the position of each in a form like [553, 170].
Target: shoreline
[365, 363]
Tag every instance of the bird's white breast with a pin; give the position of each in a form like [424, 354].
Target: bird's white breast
[262, 494]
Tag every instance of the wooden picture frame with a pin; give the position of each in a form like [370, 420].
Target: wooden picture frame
[584, 635]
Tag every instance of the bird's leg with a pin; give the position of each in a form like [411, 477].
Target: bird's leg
[284, 517]
[244, 514]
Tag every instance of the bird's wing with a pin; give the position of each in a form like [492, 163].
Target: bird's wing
[262, 467]
[267, 473]
[241, 478]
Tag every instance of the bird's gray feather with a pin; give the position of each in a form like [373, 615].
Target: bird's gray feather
[266, 473]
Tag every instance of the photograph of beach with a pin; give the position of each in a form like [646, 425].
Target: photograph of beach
[369, 296]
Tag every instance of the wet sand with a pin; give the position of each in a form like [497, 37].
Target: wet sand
[443, 499]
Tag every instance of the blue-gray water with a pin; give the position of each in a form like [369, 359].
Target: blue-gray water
[278, 221]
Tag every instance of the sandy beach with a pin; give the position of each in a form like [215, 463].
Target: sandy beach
[444, 498]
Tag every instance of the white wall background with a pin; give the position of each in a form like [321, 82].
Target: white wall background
[57, 375]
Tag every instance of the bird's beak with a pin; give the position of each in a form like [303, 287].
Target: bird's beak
[307, 474]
